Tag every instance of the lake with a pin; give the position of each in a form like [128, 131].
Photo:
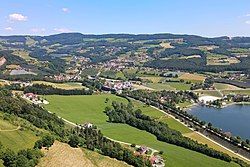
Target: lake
[234, 118]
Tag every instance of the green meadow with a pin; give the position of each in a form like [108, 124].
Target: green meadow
[81, 109]
[14, 138]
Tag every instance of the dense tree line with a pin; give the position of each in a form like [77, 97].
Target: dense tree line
[198, 65]
[92, 84]
[24, 158]
[91, 138]
[33, 113]
[94, 139]
[171, 98]
[121, 113]
[181, 51]
[50, 90]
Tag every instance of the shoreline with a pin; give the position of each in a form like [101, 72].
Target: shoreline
[189, 107]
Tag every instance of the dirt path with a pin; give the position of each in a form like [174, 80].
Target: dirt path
[121, 142]
[11, 130]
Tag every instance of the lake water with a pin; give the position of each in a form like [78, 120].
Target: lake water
[234, 118]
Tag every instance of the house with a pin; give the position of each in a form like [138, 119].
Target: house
[87, 125]
[157, 161]
[143, 150]
[35, 98]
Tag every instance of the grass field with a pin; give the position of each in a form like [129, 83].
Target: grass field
[160, 86]
[203, 140]
[242, 92]
[67, 86]
[82, 109]
[222, 86]
[192, 77]
[90, 71]
[179, 85]
[154, 79]
[209, 93]
[14, 138]
[169, 86]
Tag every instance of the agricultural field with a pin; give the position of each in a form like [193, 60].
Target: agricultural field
[160, 86]
[169, 86]
[222, 86]
[166, 45]
[61, 154]
[80, 109]
[23, 54]
[142, 87]
[67, 86]
[14, 137]
[153, 79]
[192, 77]
[217, 59]
[242, 92]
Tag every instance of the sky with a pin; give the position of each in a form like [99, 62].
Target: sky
[208, 18]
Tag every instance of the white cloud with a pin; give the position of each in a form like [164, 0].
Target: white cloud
[66, 10]
[247, 15]
[9, 29]
[38, 30]
[62, 30]
[17, 17]
[247, 22]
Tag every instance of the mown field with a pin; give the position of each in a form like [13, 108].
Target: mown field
[61, 154]
[67, 85]
[80, 109]
[169, 86]
[192, 77]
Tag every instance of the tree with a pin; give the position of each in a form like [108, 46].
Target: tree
[9, 158]
[73, 141]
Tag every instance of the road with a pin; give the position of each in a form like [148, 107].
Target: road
[248, 160]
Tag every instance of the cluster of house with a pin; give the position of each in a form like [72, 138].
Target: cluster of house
[117, 86]
[65, 77]
[156, 160]
[34, 98]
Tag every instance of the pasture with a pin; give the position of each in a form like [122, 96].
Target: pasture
[80, 109]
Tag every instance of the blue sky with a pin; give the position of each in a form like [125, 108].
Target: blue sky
[206, 18]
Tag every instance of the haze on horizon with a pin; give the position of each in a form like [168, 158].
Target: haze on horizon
[206, 18]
